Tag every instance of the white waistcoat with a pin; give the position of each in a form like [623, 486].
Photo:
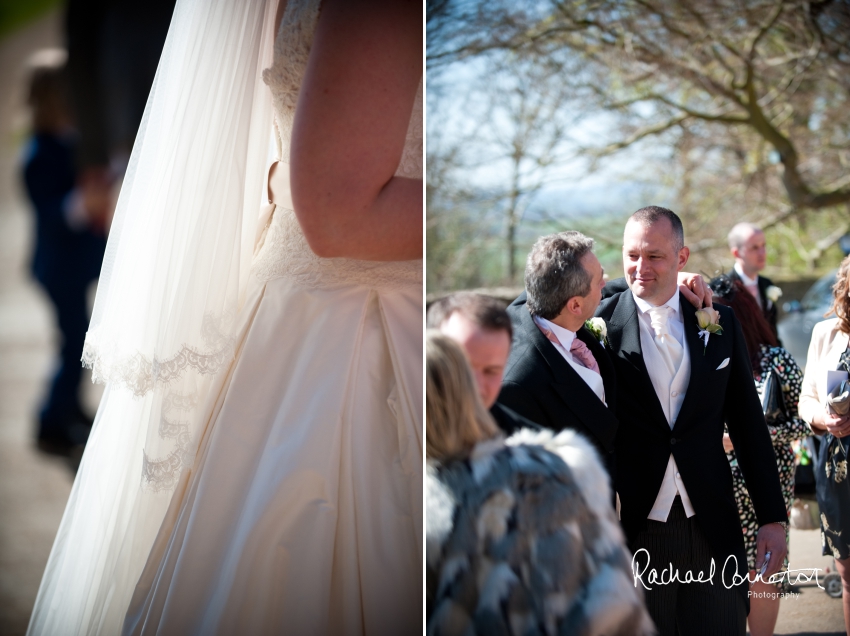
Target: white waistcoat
[671, 394]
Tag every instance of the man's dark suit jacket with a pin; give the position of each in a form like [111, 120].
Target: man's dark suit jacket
[715, 395]
[540, 385]
[767, 305]
[509, 420]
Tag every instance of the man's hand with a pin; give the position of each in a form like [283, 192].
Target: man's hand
[695, 290]
[727, 443]
[771, 538]
[95, 188]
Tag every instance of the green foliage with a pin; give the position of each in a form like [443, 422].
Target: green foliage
[16, 13]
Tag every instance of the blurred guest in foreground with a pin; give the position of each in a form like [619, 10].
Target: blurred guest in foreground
[775, 374]
[520, 537]
[481, 326]
[824, 406]
[748, 246]
[68, 252]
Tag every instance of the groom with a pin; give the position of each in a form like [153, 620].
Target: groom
[676, 388]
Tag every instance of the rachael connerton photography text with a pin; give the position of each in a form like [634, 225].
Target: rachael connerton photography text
[729, 576]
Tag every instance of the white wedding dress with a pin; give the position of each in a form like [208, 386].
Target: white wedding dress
[298, 509]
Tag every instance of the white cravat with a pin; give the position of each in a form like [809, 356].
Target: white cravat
[669, 348]
[667, 359]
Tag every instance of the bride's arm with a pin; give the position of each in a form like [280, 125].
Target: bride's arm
[349, 131]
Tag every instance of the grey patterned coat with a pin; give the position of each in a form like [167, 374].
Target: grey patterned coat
[521, 539]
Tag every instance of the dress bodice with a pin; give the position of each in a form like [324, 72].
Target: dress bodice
[283, 251]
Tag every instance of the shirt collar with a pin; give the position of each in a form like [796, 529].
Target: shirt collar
[673, 303]
[564, 336]
[744, 278]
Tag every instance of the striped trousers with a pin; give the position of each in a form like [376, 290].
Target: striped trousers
[685, 608]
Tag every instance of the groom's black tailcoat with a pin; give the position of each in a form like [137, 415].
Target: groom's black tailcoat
[540, 385]
[715, 395]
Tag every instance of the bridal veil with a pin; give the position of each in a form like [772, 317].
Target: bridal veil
[174, 275]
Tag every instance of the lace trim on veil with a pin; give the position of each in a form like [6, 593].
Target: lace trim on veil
[160, 475]
[141, 374]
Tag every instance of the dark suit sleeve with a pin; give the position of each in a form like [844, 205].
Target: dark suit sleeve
[518, 399]
[48, 180]
[614, 287]
[749, 433]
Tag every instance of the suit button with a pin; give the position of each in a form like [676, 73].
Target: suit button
[672, 441]
[678, 476]
[675, 394]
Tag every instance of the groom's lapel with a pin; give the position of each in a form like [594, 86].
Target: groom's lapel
[702, 358]
[624, 335]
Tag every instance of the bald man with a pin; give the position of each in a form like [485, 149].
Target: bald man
[747, 244]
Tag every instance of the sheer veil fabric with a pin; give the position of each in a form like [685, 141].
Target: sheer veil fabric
[187, 298]
[174, 274]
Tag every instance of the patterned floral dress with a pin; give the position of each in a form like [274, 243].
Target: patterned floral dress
[783, 431]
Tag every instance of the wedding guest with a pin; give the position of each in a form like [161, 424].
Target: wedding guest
[748, 246]
[519, 537]
[68, 251]
[559, 374]
[482, 328]
[771, 364]
[828, 351]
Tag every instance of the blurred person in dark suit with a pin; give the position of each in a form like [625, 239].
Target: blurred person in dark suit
[68, 251]
[748, 246]
[114, 47]
[85, 117]
[481, 326]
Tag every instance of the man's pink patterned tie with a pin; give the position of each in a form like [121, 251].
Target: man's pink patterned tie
[583, 356]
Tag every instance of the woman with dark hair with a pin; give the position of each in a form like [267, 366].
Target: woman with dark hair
[520, 534]
[767, 359]
[828, 351]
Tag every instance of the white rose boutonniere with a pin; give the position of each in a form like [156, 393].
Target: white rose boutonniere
[773, 293]
[708, 321]
[599, 329]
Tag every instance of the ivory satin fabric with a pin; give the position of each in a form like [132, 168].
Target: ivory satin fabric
[302, 513]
